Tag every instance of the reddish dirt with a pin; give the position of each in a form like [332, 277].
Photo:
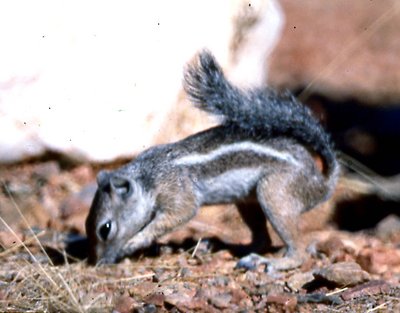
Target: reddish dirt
[192, 269]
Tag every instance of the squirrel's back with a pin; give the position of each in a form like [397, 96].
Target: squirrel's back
[259, 111]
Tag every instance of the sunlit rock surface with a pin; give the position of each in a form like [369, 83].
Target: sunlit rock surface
[101, 80]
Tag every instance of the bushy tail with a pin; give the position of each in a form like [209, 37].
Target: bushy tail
[261, 112]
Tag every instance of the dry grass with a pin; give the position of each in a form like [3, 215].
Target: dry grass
[30, 283]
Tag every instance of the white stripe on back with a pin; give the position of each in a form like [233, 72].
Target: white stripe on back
[199, 158]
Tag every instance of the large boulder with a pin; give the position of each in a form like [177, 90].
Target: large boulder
[100, 80]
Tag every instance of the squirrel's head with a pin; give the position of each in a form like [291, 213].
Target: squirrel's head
[120, 209]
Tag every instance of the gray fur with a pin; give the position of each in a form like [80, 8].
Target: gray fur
[262, 147]
[260, 111]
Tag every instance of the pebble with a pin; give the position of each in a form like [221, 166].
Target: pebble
[388, 227]
[379, 260]
[342, 274]
[286, 303]
[367, 289]
[125, 304]
[298, 280]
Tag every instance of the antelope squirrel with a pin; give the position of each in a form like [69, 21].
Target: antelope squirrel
[263, 148]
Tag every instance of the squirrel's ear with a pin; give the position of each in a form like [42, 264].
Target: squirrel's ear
[103, 178]
[114, 184]
[121, 186]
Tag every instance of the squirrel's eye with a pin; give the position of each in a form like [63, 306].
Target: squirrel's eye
[104, 230]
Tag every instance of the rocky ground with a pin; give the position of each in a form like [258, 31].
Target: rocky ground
[43, 205]
[348, 55]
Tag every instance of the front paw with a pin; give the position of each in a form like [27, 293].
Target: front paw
[133, 245]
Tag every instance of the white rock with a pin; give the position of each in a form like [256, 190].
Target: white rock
[96, 80]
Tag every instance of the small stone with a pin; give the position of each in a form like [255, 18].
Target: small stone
[146, 288]
[379, 260]
[177, 300]
[388, 227]
[285, 303]
[342, 274]
[370, 288]
[156, 298]
[298, 280]
[221, 301]
[330, 246]
[222, 281]
[319, 298]
[149, 308]
[185, 272]
[124, 304]
[239, 296]
[335, 249]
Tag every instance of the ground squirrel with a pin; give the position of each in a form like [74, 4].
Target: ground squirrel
[262, 149]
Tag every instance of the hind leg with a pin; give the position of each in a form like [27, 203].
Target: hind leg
[282, 200]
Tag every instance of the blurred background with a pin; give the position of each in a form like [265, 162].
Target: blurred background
[341, 58]
[97, 81]
[88, 85]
